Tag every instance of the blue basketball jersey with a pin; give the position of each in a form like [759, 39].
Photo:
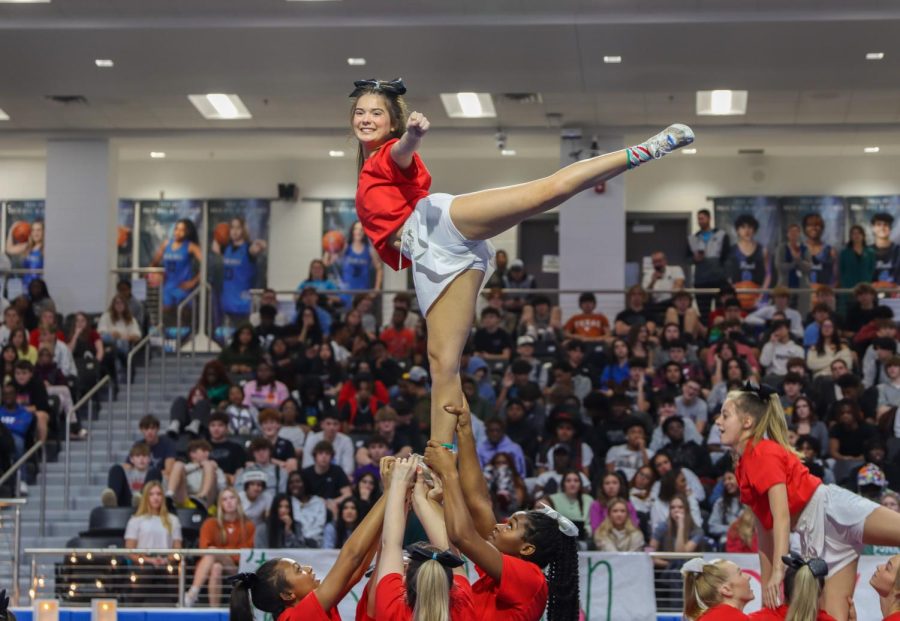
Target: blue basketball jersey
[239, 272]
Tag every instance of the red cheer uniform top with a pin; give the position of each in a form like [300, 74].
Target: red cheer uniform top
[766, 464]
[519, 595]
[309, 609]
[894, 616]
[723, 612]
[363, 604]
[390, 600]
[386, 196]
[780, 614]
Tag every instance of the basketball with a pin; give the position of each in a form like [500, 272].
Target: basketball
[333, 241]
[123, 235]
[222, 233]
[21, 231]
[748, 301]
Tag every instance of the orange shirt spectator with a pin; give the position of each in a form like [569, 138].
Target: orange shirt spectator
[587, 325]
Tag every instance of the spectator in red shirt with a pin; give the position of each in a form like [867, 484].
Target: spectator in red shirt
[47, 324]
[400, 340]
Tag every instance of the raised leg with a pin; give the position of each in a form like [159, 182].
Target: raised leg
[177, 487]
[449, 322]
[838, 590]
[482, 215]
[882, 528]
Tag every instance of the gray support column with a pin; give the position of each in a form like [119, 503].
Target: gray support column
[80, 223]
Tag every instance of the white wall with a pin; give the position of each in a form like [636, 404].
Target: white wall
[22, 179]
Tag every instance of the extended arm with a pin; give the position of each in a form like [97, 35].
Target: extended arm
[471, 476]
[391, 561]
[403, 150]
[780, 545]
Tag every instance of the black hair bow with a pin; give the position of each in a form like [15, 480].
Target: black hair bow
[417, 552]
[762, 391]
[817, 566]
[245, 578]
[391, 87]
[4, 604]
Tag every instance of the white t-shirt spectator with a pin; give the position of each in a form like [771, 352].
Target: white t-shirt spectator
[311, 515]
[627, 460]
[149, 531]
[775, 356]
[256, 510]
[126, 330]
[698, 411]
[665, 282]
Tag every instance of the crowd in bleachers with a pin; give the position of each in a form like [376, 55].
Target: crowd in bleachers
[50, 361]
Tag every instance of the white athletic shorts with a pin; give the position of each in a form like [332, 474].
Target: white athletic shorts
[831, 526]
[438, 250]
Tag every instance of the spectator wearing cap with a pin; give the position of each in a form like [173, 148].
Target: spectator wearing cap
[260, 451]
[325, 479]
[627, 458]
[517, 278]
[492, 343]
[777, 351]
[255, 498]
[497, 441]
[871, 482]
[781, 298]
[525, 350]
[566, 429]
[588, 326]
[399, 339]
[341, 444]
[414, 388]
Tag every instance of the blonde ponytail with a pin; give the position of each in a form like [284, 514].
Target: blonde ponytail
[701, 586]
[803, 593]
[769, 418]
[432, 593]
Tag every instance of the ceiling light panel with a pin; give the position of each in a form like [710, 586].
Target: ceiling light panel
[104, 63]
[721, 103]
[356, 62]
[874, 55]
[469, 105]
[220, 106]
[3, 115]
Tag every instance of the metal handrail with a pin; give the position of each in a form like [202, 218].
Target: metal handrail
[161, 324]
[701, 290]
[15, 271]
[143, 343]
[17, 503]
[193, 294]
[86, 398]
[19, 462]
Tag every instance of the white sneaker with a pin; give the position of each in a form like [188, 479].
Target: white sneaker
[671, 138]
[190, 597]
[23, 488]
[108, 498]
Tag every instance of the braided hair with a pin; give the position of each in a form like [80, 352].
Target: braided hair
[557, 554]
[264, 588]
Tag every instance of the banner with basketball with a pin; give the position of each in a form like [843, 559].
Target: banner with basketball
[237, 256]
[862, 208]
[25, 237]
[753, 223]
[338, 217]
[125, 233]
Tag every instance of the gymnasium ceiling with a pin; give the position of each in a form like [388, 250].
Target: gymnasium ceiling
[803, 62]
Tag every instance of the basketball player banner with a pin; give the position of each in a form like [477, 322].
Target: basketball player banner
[614, 587]
[862, 208]
[830, 208]
[157, 221]
[19, 219]
[237, 242]
[125, 233]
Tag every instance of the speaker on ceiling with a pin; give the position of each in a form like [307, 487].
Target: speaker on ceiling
[287, 192]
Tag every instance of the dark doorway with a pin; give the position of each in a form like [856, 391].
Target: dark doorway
[650, 232]
[539, 249]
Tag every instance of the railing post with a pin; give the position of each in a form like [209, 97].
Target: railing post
[182, 579]
[177, 342]
[43, 508]
[109, 416]
[147, 377]
[17, 554]
[68, 467]
[90, 436]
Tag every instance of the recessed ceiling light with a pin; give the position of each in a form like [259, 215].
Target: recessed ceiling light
[356, 62]
[3, 115]
[469, 105]
[874, 55]
[721, 103]
[157, 155]
[612, 60]
[336, 154]
[220, 106]
[24, 1]
[507, 152]
[689, 151]
[872, 149]
[104, 62]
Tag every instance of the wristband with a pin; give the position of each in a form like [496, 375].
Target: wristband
[448, 446]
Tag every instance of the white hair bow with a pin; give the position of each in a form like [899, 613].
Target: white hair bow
[566, 526]
[696, 565]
